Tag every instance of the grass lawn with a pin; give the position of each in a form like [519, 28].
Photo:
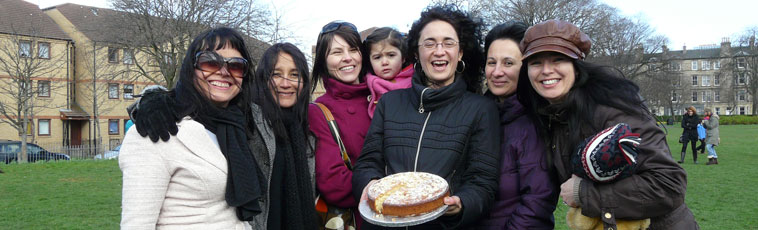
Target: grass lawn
[87, 194]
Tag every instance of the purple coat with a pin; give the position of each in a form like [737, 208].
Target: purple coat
[348, 104]
[527, 194]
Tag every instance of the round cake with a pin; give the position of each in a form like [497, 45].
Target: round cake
[407, 194]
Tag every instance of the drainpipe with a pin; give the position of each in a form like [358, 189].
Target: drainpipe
[94, 91]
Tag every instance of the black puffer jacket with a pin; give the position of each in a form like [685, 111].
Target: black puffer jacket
[689, 123]
[459, 138]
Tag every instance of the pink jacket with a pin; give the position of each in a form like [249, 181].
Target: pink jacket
[379, 86]
[348, 105]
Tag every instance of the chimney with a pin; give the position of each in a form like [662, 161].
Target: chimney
[664, 49]
[684, 49]
[725, 47]
[752, 42]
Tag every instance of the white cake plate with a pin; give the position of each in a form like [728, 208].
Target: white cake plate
[393, 221]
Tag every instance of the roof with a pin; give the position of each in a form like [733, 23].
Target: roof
[75, 113]
[95, 23]
[712, 53]
[24, 18]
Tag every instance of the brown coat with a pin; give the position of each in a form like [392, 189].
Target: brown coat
[655, 191]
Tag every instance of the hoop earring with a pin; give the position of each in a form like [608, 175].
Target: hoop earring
[464, 67]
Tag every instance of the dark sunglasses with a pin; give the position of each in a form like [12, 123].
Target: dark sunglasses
[210, 61]
[335, 25]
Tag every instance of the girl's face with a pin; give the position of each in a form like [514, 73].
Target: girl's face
[286, 80]
[689, 112]
[439, 52]
[551, 75]
[502, 68]
[220, 86]
[343, 61]
[386, 60]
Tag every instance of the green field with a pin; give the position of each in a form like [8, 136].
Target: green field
[87, 194]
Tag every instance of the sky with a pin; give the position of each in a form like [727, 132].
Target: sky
[684, 22]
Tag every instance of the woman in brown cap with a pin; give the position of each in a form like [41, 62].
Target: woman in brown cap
[566, 96]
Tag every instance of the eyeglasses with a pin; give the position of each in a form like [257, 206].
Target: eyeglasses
[294, 78]
[211, 62]
[335, 25]
[447, 44]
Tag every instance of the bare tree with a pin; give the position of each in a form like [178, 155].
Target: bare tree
[24, 65]
[162, 30]
[747, 64]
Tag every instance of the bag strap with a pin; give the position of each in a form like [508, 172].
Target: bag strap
[335, 134]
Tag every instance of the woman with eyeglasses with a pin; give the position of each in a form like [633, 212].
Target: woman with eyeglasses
[441, 125]
[204, 177]
[338, 64]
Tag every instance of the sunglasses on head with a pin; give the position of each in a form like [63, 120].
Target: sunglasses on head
[210, 61]
[335, 25]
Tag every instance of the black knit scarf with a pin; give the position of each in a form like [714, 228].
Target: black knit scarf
[243, 184]
[298, 207]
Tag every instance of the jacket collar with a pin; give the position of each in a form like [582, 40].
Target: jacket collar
[196, 139]
[338, 89]
[435, 98]
[510, 109]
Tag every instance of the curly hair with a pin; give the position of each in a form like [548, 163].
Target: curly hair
[469, 34]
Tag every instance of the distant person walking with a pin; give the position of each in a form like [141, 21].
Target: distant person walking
[689, 124]
[711, 123]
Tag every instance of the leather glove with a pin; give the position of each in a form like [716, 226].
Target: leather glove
[154, 114]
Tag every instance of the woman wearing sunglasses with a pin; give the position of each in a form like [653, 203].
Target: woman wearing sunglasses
[205, 177]
[440, 125]
[338, 64]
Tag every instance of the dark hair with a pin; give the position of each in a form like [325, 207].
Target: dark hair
[511, 30]
[324, 44]
[594, 85]
[186, 92]
[470, 41]
[263, 85]
[391, 37]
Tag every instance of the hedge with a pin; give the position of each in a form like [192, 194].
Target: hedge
[723, 119]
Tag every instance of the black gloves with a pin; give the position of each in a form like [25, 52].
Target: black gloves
[155, 114]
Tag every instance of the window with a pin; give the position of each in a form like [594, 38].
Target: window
[43, 127]
[694, 65]
[112, 55]
[25, 48]
[675, 66]
[707, 96]
[677, 81]
[168, 58]
[717, 65]
[694, 80]
[43, 88]
[742, 110]
[113, 143]
[128, 91]
[113, 126]
[717, 96]
[674, 96]
[718, 111]
[706, 65]
[741, 95]
[27, 88]
[128, 56]
[741, 78]
[741, 63]
[43, 50]
[717, 80]
[694, 96]
[113, 90]
[706, 81]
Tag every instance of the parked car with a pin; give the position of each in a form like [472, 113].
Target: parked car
[9, 151]
[107, 155]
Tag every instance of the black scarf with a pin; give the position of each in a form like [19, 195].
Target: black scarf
[298, 205]
[243, 184]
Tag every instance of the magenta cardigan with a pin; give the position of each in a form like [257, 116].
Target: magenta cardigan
[379, 86]
[348, 104]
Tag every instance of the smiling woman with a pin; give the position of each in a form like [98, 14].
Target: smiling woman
[422, 128]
